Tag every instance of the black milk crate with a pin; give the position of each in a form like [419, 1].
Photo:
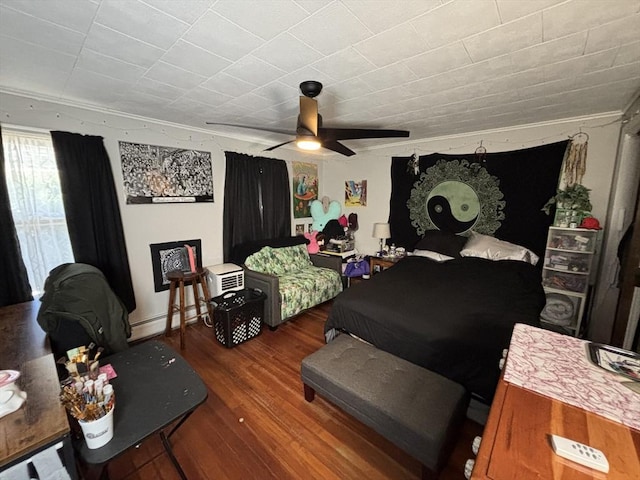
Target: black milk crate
[237, 316]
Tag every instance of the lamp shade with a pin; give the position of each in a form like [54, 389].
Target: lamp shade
[381, 230]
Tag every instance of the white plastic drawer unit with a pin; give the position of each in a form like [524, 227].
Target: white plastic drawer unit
[566, 276]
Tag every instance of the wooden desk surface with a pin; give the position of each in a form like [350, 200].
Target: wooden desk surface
[24, 347]
[515, 443]
[42, 419]
[21, 338]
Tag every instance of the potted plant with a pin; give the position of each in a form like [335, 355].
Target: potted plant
[574, 197]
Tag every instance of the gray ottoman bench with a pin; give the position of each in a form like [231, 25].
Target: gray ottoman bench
[417, 410]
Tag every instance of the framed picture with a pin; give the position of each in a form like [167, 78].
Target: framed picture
[299, 228]
[169, 256]
[155, 174]
[305, 188]
[355, 193]
[310, 228]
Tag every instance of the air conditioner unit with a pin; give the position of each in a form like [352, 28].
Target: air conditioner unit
[224, 278]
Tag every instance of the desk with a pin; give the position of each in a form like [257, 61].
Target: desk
[41, 422]
[515, 442]
[155, 386]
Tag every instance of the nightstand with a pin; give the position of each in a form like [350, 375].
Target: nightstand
[378, 264]
[354, 280]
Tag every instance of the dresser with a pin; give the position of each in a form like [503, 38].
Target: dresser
[549, 387]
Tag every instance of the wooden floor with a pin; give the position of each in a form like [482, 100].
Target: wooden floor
[256, 424]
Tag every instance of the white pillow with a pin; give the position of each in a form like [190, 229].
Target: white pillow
[438, 257]
[491, 248]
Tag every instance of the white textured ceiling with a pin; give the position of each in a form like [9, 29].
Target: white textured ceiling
[433, 67]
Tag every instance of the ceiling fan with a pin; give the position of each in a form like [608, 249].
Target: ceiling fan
[311, 135]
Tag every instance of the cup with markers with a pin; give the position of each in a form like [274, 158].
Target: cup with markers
[90, 401]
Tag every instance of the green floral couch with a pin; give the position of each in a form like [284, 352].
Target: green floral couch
[292, 280]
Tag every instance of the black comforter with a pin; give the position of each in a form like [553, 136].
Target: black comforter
[453, 318]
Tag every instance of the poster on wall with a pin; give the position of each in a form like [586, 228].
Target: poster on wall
[155, 174]
[305, 188]
[355, 193]
[170, 256]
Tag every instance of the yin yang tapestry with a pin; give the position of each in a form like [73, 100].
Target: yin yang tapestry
[498, 194]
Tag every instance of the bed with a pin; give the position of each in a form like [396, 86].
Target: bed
[452, 317]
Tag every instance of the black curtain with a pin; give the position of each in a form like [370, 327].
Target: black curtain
[527, 179]
[257, 200]
[14, 283]
[92, 210]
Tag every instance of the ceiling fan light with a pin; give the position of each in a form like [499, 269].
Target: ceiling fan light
[308, 143]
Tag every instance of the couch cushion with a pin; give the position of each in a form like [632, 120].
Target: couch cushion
[306, 288]
[293, 258]
[239, 253]
[263, 261]
[279, 261]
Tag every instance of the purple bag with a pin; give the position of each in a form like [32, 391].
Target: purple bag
[357, 268]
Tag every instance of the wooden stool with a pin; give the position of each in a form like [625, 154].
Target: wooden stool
[178, 279]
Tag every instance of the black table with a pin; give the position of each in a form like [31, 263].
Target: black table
[154, 387]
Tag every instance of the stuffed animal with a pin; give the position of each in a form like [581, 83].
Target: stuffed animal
[322, 212]
[353, 222]
[333, 229]
[313, 246]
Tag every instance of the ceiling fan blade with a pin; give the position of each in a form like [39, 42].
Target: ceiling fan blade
[272, 130]
[277, 146]
[308, 118]
[337, 147]
[355, 133]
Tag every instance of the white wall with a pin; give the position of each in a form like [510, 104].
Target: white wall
[147, 224]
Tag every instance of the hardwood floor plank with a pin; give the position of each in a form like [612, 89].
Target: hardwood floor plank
[281, 436]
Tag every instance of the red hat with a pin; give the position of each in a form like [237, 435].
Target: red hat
[591, 222]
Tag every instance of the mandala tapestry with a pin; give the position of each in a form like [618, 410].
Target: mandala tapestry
[456, 196]
[499, 194]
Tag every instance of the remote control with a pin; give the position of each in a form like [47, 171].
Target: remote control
[580, 453]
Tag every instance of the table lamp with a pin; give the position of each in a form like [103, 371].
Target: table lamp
[381, 231]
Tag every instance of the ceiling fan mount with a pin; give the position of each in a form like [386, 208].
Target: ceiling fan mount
[311, 88]
[310, 134]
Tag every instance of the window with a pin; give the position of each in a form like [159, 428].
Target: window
[36, 203]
